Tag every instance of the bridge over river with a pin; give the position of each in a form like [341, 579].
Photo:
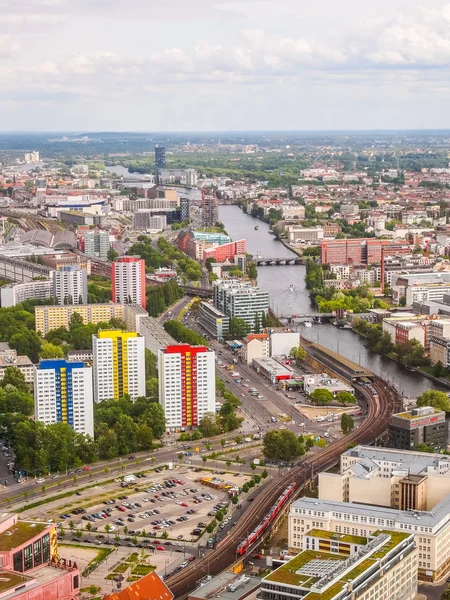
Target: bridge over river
[292, 260]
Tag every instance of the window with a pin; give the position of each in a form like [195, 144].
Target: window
[46, 548]
[28, 558]
[17, 562]
[37, 553]
[76, 582]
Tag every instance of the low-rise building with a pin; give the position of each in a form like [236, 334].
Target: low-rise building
[335, 566]
[425, 425]
[439, 350]
[52, 317]
[23, 363]
[297, 234]
[254, 346]
[149, 587]
[282, 340]
[324, 381]
[272, 369]
[227, 586]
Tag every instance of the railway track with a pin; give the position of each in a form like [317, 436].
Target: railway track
[381, 402]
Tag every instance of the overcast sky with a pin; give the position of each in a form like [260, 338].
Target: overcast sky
[149, 65]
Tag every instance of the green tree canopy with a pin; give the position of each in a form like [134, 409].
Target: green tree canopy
[321, 396]
[438, 400]
[282, 444]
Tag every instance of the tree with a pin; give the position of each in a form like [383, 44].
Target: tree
[321, 396]
[153, 416]
[209, 425]
[144, 437]
[257, 324]
[439, 370]
[298, 353]
[239, 328]
[281, 444]
[445, 594]
[252, 271]
[345, 398]
[14, 376]
[402, 301]
[126, 431]
[49, 350]
[76, 320]
[27, 343]
[112, 254]
[424, 448]
[347, 423]
[434, 398]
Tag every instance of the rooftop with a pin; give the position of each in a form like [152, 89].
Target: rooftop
[313, 569]
[149, 587]
[11, 579]
[19, 533]
[409, 415]
[338, 537]
[227, 586]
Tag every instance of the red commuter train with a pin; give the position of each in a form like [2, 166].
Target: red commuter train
[267, 520]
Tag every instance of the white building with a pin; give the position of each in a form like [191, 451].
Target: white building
[13, 294]
[191, 177]
[128, 281]
[240, 299]
[119, 364]
[254, 345]
[63, 394]
[96, 244]
[69, 285]
[282, 340]
[187, 384]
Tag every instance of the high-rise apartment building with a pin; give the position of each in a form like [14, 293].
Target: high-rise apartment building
[160, 157]
[69, 285]
[191, 177]
[63, 394]
[210, 211]
[96, 244]
[119, 364]
[187, 384]
[128, 281]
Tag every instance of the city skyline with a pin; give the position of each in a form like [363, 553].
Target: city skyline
[236, 66]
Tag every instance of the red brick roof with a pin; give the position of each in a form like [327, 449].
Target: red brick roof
[150, 587]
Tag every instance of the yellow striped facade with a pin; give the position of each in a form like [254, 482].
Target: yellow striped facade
[52, 317]
[63, 385]
[119, 357]
[188, 372]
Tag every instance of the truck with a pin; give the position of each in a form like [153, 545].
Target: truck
[235, 374]
[128, 480]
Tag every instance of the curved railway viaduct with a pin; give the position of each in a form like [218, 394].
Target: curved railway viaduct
[381, 402]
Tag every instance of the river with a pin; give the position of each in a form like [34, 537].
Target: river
[277, 279]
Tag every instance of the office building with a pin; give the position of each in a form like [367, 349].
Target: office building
[69, 285]
[420, 287]
[32, 568]
[119, 365]
[184, 208]
[228, 586]
[191, 177]
[145, 220]
[128, 281]
[401, 479]
[96, 244]
[298, 234]
[210, 211]
[15, 293]
[187, 384]
[440, 350]
[213, 320]
[240, 299]
[345, 567]
[360, 251]
[430, 528]
[425, 425]
[63, 394]
[52, 317]
[226, 252]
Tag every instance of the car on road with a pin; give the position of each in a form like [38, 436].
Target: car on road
[40, 480]
[85, 468]
[160, 548]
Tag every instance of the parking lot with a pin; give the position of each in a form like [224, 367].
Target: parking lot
[172, 505]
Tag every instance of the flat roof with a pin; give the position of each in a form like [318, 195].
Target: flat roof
[219, 587]
[354, 369]
[11, 579]
[19, 533]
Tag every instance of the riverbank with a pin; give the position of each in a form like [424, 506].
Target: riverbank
[418, 370]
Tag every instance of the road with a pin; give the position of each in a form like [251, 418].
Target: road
[119, 466]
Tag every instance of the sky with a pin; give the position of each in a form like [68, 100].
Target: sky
[217, 65]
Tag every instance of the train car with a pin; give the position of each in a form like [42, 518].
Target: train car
[267, 520]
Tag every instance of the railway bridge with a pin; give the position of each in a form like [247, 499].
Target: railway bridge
[381, 402]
